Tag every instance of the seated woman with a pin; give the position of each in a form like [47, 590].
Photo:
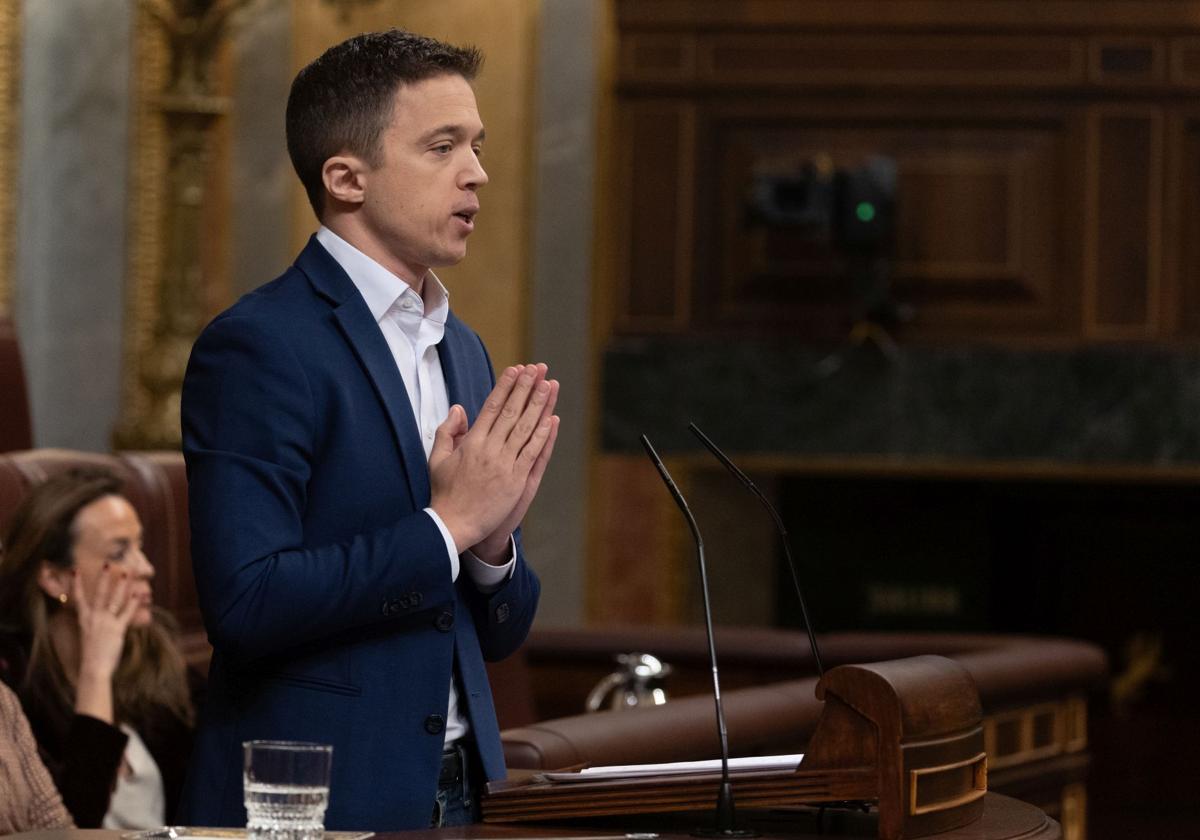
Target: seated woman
[94, 663]
[30, 801]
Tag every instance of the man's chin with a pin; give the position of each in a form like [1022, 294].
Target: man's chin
[451, 257]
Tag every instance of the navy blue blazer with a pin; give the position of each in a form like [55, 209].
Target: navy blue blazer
[325, 589]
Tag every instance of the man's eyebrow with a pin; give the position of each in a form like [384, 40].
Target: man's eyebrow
[454, 130]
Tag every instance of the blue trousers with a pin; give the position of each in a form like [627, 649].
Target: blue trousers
[457, 801]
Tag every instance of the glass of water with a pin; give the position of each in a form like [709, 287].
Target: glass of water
[286, 789]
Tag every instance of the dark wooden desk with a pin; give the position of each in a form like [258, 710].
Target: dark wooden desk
[1003, 819]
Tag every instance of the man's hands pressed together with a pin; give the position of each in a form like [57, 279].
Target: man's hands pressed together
[485, 477]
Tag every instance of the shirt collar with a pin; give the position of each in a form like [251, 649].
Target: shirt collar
[380, 288]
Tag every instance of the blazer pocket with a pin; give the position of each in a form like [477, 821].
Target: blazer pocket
[325, 668]
[317, 684]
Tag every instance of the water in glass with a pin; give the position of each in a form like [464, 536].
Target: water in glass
[285, 812]
[286, 789]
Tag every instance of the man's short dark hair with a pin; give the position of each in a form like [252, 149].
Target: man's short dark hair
[343, 101]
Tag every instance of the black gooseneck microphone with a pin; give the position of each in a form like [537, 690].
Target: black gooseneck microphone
[783, 535]
[725, 817]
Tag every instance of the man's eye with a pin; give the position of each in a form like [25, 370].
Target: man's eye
[442, 148]
[478, 151]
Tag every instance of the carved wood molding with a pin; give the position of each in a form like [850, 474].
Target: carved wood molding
[856, 15]
[1122, 290]
[10, 79]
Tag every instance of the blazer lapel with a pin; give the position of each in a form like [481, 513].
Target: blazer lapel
[454, 358]
[452, 375]
[369, 345]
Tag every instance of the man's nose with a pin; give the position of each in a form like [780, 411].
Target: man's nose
[474, 176]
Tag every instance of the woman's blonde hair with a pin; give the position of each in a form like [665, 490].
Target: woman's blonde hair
[151, 675]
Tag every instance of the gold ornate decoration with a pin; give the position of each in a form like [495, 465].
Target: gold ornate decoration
[1144, 664]
[1073, 811]
[177, 109]
[10, 35]
[1032, 733]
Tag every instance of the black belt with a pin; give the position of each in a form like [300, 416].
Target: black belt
[453, 765]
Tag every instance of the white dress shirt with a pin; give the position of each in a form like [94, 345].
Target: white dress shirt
[413, 324]
[138, 800]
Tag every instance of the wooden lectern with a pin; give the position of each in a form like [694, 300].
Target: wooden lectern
[905, 735]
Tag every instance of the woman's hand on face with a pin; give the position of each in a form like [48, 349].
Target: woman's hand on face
[103, 622]
[102, 625]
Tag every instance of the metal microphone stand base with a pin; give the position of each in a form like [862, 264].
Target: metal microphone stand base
[725, 819]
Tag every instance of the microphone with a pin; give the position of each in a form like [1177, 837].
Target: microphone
[783, 535]
[725, 818]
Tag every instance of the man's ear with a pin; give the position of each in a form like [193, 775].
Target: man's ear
[345, 178]
[54, 581]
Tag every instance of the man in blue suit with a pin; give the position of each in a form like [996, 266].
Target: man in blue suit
[356, 474]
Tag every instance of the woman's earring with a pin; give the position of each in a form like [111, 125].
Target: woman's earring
[62, 598]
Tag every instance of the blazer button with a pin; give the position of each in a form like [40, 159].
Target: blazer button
[502, 613]
[444, 622]
[434, 724]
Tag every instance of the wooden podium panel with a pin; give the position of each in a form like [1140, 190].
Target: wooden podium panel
[1002, 819]
[904, 735]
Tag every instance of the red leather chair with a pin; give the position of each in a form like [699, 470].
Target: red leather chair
[16, 430]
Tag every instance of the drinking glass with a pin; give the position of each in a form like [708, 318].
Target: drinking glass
[286, 789]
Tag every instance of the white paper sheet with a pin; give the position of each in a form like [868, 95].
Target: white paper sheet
[676, 768]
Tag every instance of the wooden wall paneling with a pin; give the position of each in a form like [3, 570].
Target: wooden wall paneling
[1174, 128]
[1185, 62]
[1115, 60]
[659, 56]
[1102, 74]
[791, 60]
[657, 162]
[874, 15]
[771, 276]
[668, 60]
[977, 243]
[982, 239]
[1181, 264]
[1123, 268]
[641, 544]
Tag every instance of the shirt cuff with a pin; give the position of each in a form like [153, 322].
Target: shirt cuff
[486, 577]
[451, 549]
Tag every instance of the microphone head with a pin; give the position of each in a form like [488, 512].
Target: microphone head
[733, 468]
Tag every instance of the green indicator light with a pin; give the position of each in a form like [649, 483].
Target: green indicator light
[865, 211]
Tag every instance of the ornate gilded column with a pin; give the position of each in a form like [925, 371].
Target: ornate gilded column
[178, 107]
[10, 64]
